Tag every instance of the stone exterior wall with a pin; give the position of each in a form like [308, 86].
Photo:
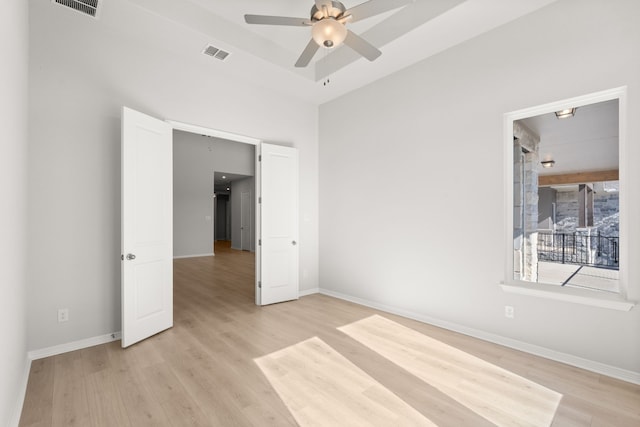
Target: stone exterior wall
[518, 211]
[566, 211]
[525, 203]
[606, 213]
[606, 216]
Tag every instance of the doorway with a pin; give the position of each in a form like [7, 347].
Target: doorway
[209, 177]
[151, 203]
[234, 208]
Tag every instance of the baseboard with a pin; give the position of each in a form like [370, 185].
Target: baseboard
[306, 292]
[193, 256]
[590, 365]
[22, 392]
[73, 346]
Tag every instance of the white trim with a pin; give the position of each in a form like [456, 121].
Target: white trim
[200, 130]
[590, 365]
[258, 225]
[593, 298]
[74, 345]
[306, 292]
[578, 296]
[193, 256]
[22, 392]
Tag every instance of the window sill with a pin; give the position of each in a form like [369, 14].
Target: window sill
[577, 296]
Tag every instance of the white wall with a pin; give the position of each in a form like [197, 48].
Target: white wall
[439, 125]
[195, 159]
[237, 188]
[13, 188]
[82, 72]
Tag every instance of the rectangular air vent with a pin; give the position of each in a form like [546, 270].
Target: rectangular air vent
[86, 7]
[215, 52]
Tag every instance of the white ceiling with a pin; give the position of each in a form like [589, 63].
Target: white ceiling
[586, 142]
[405, 36]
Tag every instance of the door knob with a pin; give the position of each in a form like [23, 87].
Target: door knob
[130, 257]
[294, 243]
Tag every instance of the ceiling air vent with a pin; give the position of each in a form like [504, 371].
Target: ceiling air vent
[87, 7]
[215, 52]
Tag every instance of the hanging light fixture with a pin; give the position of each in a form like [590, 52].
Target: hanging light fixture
[329, 33]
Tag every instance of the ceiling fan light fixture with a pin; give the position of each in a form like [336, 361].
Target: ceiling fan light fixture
[328, 33]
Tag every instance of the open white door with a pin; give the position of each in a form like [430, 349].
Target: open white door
[278, 224]
[147, 226]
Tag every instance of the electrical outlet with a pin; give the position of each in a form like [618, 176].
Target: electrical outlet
[63, 315]
[509, 311]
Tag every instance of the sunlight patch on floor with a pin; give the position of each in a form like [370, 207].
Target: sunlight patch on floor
[322, 388]
[498, 395]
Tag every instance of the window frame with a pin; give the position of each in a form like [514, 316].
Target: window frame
[580, 296]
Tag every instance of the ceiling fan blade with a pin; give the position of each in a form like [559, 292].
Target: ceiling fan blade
[361, 46]
[307, 54]
[374, 7]
[276, 20]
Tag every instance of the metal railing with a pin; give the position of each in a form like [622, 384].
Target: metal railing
[579, 247]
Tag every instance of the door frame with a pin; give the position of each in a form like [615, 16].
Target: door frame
[201, 130]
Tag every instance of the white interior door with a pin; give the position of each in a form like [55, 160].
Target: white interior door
[278, 224]
[245, 221]
[147, 226]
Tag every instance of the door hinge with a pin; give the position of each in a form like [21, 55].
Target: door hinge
[259, 157]
[259, 199]
[259, 242]
[260, 285]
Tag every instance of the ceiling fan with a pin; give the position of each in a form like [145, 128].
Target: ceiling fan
[328, 26]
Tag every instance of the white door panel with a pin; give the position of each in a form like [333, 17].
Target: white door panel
[279, 224]
[147, 226]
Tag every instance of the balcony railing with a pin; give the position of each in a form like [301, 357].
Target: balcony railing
[580, 247]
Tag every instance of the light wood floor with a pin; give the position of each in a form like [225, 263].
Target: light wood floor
[211, 368]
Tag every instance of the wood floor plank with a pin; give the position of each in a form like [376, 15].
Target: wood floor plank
[37, 409]
[70, 406]
[94, 359]
[140, 407]
[322, 388]
[202, 371]
[104, 401]
[496, 394]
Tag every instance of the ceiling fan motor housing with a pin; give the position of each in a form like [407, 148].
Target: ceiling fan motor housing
[336, 11]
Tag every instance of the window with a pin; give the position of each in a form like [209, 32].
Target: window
[564, 177]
